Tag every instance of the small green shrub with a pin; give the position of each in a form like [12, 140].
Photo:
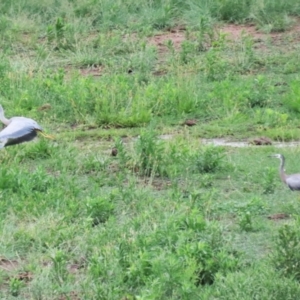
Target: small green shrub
[245, 221]
[59, 34]
[216, 66]
[286, 255]
[231, 10]
[99, 209]
[259, 281]
[269, 178]
[15, 286]
[122, 155]
[92, 164]
[39, 149]
[150, 158]
[207, 180]
[210, 159]
[210, 256]
[59, 270]
[272, 21]
[259, 92]
[291, 99]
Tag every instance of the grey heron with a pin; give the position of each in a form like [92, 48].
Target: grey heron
[293, 180]
[18, 130]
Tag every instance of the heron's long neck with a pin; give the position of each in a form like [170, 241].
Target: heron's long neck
[281, 170]
[2, 118]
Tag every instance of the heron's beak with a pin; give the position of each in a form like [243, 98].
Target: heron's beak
[48, 136]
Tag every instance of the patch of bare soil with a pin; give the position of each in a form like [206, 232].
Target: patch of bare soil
[261, 141]
[172, 39]
[24, 276]
[189, 122]
[280, 216]
[78, 265]
[93, 70]
[11, 269]
[8, 265]
[175, 37]
[234, 33]
[44, 107]
[70, 296]
[157, 183]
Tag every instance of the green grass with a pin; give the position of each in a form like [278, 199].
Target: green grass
[74, 216]
[168, 217]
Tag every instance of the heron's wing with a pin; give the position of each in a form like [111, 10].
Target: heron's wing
[293, 181]
[19, 130]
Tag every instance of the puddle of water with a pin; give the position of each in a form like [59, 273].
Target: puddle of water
[224, 142]
[166, 136]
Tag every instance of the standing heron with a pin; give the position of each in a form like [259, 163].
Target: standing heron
[18, 130]
[293, 180]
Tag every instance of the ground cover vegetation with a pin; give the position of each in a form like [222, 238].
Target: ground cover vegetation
[166, 216]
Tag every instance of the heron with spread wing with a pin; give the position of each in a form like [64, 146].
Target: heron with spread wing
[18, 130]
[293, 180]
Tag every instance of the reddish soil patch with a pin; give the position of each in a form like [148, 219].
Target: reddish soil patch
[45, 106]
[190, 122]
[176, 36]
[261, 141]
[280, 216]
[157, 184]
[24, 276]
[172, 40]
[235, 32]
[8, 265]
[75, 267]
[72, 295]
[93, 71]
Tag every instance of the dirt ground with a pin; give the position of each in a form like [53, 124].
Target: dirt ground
[233, 32]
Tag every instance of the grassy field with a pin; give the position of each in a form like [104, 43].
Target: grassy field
[168, 217]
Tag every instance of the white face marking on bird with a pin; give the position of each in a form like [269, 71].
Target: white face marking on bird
[276, 156]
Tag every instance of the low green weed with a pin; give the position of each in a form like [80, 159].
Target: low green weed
[15, 286]
[269, 181]
[245, 221]
[286, 252]
[291, 98]
[216, 67]
[231, 10]
[150, 154]
[210, 159]
[99, 209]
[58, 33]
[259, 281]
[59, 272]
